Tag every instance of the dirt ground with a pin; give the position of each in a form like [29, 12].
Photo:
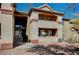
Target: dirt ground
[49, 49]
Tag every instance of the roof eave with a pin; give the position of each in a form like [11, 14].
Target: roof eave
[34, 9]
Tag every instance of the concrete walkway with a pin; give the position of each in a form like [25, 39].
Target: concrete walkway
[20, 50]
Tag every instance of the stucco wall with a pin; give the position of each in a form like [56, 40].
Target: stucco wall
[60, 27]
[34, 26]
[34, 31]
[44, 24]
[6, 28]
[6, 6]
[0, 22]
[7, 24]
[34, 15]
[47, 24]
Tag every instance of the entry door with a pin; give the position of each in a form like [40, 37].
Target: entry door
[18, 35]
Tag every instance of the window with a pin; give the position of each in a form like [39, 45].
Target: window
[0, 30]
[47, 32]
[41, 18]
[48, 18]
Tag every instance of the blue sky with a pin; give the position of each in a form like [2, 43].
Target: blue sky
[61, 7]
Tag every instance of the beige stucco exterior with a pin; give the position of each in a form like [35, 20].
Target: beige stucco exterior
[6, 28]
[7, 24]
[0, 39]
[33, 24]
[38, 23]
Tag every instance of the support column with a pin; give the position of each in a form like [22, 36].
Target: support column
[0, 31]
[34, 27]
[60, 29]
[7, 25]
[34, 32]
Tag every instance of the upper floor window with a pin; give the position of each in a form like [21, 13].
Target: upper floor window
[47, 17]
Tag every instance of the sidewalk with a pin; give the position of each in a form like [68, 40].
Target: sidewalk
[20, 50]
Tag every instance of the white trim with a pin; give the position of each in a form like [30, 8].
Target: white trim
[52, 10]
[46, 5]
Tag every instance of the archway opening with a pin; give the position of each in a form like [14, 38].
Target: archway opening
[20, 27]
